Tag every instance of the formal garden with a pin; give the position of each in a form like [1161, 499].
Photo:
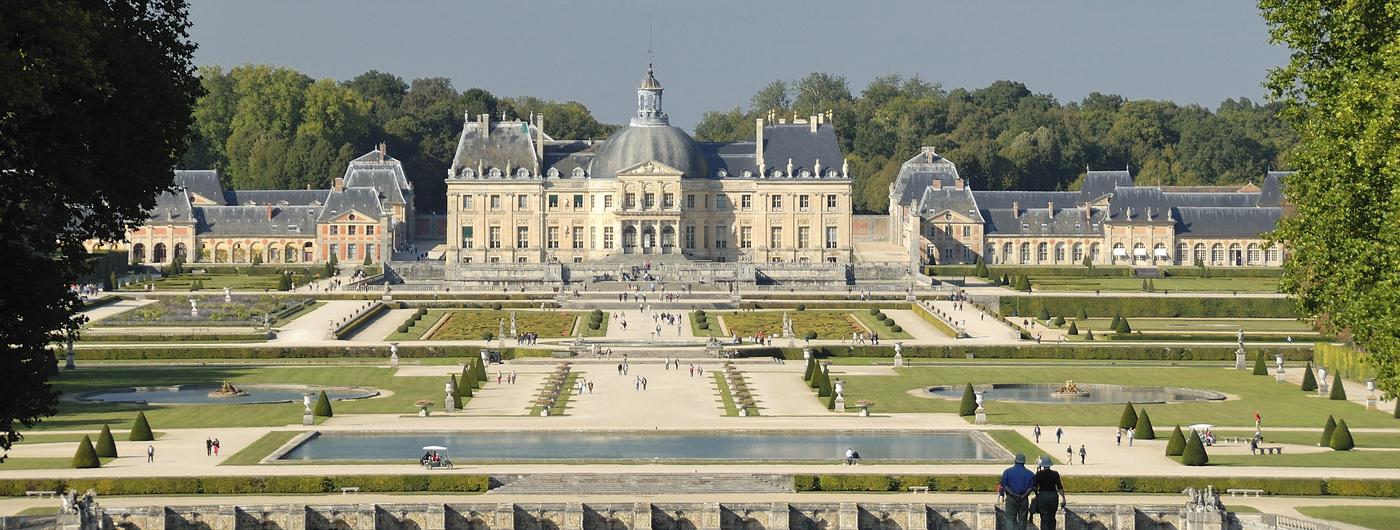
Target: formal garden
[212, 310]
[479, 324]
[819, 324]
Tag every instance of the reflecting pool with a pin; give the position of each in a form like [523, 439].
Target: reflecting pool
[1091, 393]
[200, 394]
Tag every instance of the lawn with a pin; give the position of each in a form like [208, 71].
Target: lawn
[25, 464]
[829, 324]
[1072, 283]
[1015, 443]
[1377, 517]
[1228, 326]
[416, 331]
[1361, 459]
[726, 398]
[1280, 404]
[473, 324]
[561, 404]
[1389, 440]
[215, 279]
[258, 449]
[241, 310]
[118, 435]
[91, 416]
[882, 328]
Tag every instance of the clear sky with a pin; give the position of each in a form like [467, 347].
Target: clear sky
[714, 54]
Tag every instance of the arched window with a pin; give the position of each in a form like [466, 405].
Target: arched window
[1182, 254]
[1139, 251]
[182, 252]
[1059, 252]
[290, 254]
[522, 173]
[1119, 252]
[1217, 254]
[158, 253]
[991, 252]
[494, 173]
[578, 173]
[274, 254]
[138, 253]
[1272, 255]
[1042, 252]
[1159, 251]
[552, 173]
[1007, 253]
[1077, 253]
[1025, 253]
[1236, 255]
[1199, 253]
[1094, 253]
[1254, 255]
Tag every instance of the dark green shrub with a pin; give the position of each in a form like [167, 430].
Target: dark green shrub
[1089, 335]
[323, 406]
[1337, 392]
[86, 457]
[1129, 418]
[1144, 430]
[1116, 320]
[1341, 438]
[1073, 329]
[595, 326]
[465, 386]
[497, 306]
[810, 335]
[1152, 306]
[106, 446]
[874, 311]
[1327, 430]
[421, 311]
[1059, 321]
[1044, 315]
[1259, 367]
[1309, 380]
[801, 307]
[487, 335]
[403, 328]
[1082, 315]
[703, 325]
[896, 328]
[1123, 326]
[968, 407]
[1177, 443]
[284, 283]
[140, 429]
[981, 270]
[824, 383]
[809, 370]
[1195, 453]
[1005, 281]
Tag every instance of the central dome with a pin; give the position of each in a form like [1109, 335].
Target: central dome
[636, 144]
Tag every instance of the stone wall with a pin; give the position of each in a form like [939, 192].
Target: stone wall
[637, 516]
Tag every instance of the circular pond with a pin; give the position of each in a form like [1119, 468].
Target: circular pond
[1087, 393]
[208, 394]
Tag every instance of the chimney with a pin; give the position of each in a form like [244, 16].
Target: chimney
[383, 151]
[484, 122]
[929, 153]
[1051, 207]
[1088, 211]
[758, 144]
[1016, 210]
[812, 124]
[269, 212]
[936, 184]
[958, 184]
[339, 184]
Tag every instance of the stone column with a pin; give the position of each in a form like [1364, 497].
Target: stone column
[709, 516]
[917, 516]
[778, 516]
[986, 517]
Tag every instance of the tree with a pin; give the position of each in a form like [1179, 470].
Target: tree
[772, 97]
[85, 83]
[86, 457]
[140, 429]
[1260, 367]
[106, 446]
[284, 282]
[1059, 321]
[1327, 429]
[1341, 437]
[1044, 315]
[1309, 380]
[1177, 443]
[1129, 418]
[1073, 329]
[1337, 392]
[330, 266]
[323, 406]
[1144, 430]
[1338, 90]
[1117, 319]
[466, 384]
[823, 383]
[968, 406]
[1195, 452]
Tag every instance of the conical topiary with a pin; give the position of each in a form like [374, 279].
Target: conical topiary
[816, 380]
[824, 389]
[1073, 329]
[106, 446]
[464, 388]
[1044, 314]
[1341, 438]
[1195, 452]
[456, 388]
[1083, 315]
[1337, 392]
[807, 373]
[1059, 321]
[323, 406]
[968, 407]
[982, 269]
[1004, 280]
[86, 457]
[1089, 335]
[480, 366]
[1177, 443]
[1143, 430]
[1123, 326]
[1309, 381]
[1327, 429]
[1129, 418]
[1259, 367]
[1116, 319]
[140, 429]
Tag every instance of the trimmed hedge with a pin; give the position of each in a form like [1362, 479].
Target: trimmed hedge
[1084, 352]
[1208, 337]
[307, 352]
[251, 484]
[140, 429]
[184, 337]
[1038, 271]
[1151, 306]
[1340, 359]
[1100, 484]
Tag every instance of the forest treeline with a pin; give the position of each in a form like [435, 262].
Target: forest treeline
[273, 127]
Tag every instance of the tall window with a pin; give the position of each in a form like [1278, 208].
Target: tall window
[494, 237]
[522, 202]
[803, 202]
[369, 230]
[335, 230]
[1025, 253]
[467, 202]
[776, 202]
[553, 201]
[1059, 252]
[721, 201]
[350, 251]
[721, 236]
[578, 200]
[1077, 254]
[775, 237]
[607, 237]
[803, 234]
[746, 237]
[1040, 252]
[648, 200]
[1217, 254]
[495, 202]
[578, 237]
[831, 202]
[350, 230]
[745, 201]
[369, 251]
[690, 235]
[335, 250]
[830, 237]
[552, 237]
[1182, 254]
[690, 200]
[607, 201]
[522, 237]
[629, 200]
[467, 239]
[668, 200]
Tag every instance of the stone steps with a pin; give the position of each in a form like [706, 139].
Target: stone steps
[640, 483]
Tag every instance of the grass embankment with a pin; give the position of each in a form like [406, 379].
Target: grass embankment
[1226, 326]
[1353, 458]
[74, 437]
[1377, 517]
[82, 416]
[421, 326]
[260, 448]
[1281, 404]
[1015, 443]
[884, 329]
[727, 398]
[27, 464]
[561, 404]
[1224, 285]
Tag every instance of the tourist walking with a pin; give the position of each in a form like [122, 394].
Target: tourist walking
[150, 453]
[1015, 488]
[644, 383]
[1059, 431]
[1132, 432]
[216, 447]
[1037, 433]
[1048, 489]
[1118, 438]
[1069, 454]
[1082, 454]
[208, 446]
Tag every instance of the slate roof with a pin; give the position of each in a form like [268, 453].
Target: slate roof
[363, 200]
[1271, 191]
[1226, 222]
[202, 182]
[1221, 199]
[172, 207]
[275, 197]
[381, 172]
[1138, 204]
[949, 198]
[918, 174]
[1027, 199]
[508, 146]
[1068, 221]
[254, 220]
[1099, 183]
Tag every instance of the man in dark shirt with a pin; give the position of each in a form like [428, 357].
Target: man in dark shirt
[1015, 486]
[1047, 488]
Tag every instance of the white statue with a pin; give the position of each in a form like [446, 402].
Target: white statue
[898, 349]
[194, 308]
[227, 297]
[513, 334]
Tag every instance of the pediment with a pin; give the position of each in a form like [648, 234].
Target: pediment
[958, 217]
[359, 217]
[650, 168]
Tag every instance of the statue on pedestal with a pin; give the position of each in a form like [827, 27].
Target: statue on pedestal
[228, 298]
[513, 334]
[787, 325]
[194, 308]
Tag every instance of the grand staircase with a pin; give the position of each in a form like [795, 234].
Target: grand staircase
[639, 483]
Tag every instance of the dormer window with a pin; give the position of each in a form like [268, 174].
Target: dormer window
[495, 173]
[577, 173]
[552, 173]
[746, 174]
[721, 173]
[467, 173]
[804, 174]
[831, 173]
[776, 173]
[522, 173]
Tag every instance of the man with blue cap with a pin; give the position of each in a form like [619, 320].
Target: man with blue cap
[1015, 487]
[1047, 488]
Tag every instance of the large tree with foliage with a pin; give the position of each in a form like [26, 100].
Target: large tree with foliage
[1341, 90]
[97, 99]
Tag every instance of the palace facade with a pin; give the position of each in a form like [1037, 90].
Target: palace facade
[1110, 221]
[517, 195]
[362, 217]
